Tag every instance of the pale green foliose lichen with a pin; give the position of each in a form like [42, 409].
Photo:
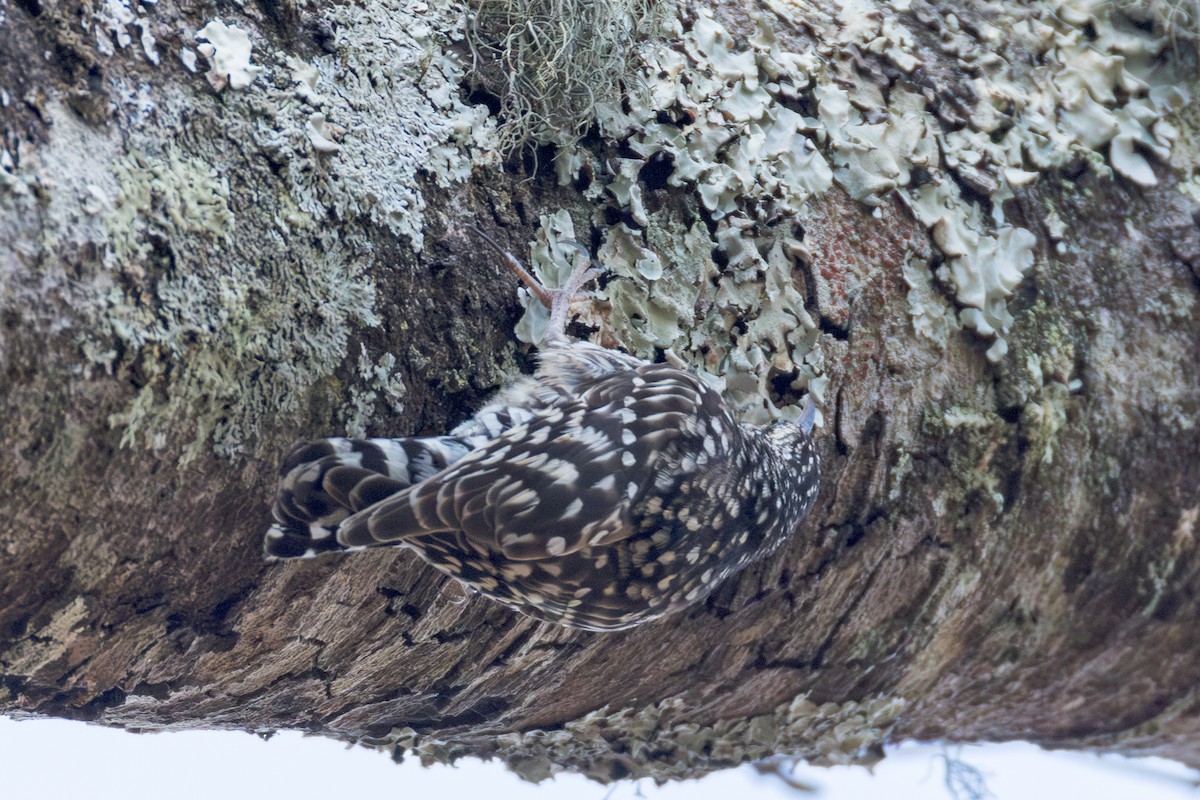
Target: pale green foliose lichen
[1089, 85]
[552, 258]
[653, 741]
[983, 267]
[932, 318]
[693, 308]
[751, 128]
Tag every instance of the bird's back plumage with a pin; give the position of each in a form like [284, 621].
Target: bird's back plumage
[599, 493]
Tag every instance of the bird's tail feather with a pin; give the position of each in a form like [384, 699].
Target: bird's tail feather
[325, 481]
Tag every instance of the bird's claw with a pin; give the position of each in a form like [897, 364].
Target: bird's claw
[557, 300]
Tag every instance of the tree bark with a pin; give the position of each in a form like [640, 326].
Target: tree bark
[979, 251]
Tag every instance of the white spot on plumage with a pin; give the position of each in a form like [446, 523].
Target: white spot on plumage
[538, 436]
[497, 455]
[530, 461]
[563, 471]
[593, 439]
[572, 509]
[524, 499]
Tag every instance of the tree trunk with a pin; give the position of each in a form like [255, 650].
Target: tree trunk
[965, 229]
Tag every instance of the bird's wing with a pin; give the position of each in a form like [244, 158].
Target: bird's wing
[566, 479]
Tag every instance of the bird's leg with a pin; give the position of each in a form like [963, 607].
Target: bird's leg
[560, 299]
[557, 300]
[808, 415]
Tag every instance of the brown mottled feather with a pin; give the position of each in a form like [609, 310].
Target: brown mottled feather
[603, 492]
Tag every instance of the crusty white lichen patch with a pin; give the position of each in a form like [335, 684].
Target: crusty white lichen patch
[222, 330]
[361, 129]
[228, 238]
[227, 48]
[225, 339]
[121, 22]
[655, 741]
[379, 383]
[67, 188]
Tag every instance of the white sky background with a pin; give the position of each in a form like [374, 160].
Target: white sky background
[62, 760]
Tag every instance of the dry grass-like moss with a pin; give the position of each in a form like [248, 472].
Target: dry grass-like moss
[1180, 19]
[552, 61]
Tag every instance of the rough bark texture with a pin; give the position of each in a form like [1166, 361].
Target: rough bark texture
[1001, 550]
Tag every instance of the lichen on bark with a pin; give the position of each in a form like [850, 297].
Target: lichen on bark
[855, 202]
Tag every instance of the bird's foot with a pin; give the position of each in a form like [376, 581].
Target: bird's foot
[562, 297]
[557, 300]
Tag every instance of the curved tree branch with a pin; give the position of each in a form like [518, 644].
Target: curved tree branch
[982, 263]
